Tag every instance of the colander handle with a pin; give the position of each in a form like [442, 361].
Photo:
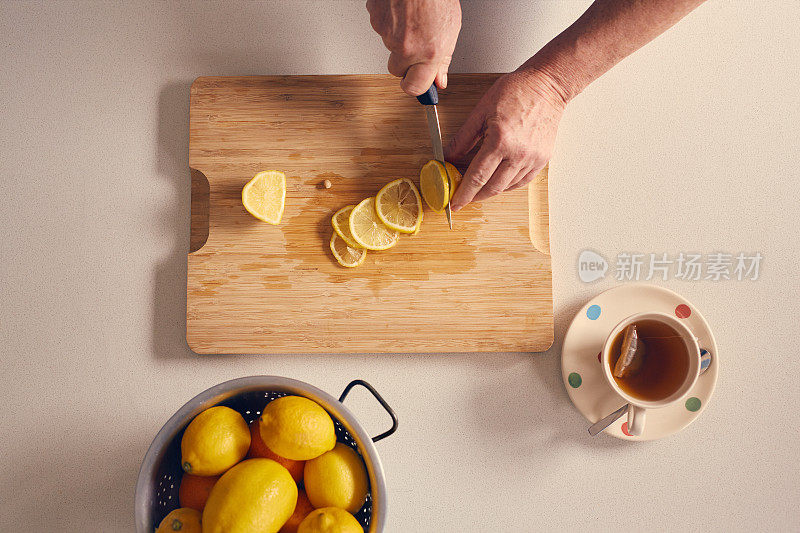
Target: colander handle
[381, 401]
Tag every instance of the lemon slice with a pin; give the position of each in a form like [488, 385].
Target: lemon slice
[419, 225]
[346, 255]
[434, 185]
[367, 228]
[264, 196]
[399, 205]
[454, 178]
[341, 225]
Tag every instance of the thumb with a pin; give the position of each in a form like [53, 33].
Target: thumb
[418, 79]
[466, 138]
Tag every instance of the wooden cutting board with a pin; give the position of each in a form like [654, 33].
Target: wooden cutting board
[257, 288]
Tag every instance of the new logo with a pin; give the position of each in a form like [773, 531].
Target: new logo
[591, 266]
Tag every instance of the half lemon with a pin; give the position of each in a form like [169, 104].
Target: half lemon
[435, 185]
[264, 196]
[454, 178]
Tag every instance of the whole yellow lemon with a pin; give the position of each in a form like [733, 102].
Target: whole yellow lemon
[330, 520]
[255, 496]
[297, 428]
[184, 520]
[337, 478]
[214, 441]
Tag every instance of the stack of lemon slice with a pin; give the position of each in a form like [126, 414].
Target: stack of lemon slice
[376, 223]
[346, 250]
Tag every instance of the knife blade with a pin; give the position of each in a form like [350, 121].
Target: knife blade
[430, 99]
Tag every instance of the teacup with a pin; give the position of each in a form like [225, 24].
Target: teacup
[684, 345]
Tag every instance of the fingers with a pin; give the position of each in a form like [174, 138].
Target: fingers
[524, 177]
[441, 78]
[501, 179]
[418, 78]
[377, 17]
[524, 171]
[466, 138]
[479, 172]
[397, 65]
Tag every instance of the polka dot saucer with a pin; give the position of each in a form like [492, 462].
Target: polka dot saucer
[583, 376]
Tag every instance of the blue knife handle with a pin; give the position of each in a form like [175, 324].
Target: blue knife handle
[430, 97]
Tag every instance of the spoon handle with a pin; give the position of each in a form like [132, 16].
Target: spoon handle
[603, 423]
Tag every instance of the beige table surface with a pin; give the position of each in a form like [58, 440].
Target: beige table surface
[691, 145]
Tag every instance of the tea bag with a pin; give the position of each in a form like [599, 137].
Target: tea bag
[632, 354]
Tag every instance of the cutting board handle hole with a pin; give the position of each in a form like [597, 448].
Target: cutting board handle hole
[201, 190]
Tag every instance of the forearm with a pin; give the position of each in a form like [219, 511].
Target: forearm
[606, 33]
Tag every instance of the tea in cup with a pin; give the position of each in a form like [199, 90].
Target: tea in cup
[663, 371]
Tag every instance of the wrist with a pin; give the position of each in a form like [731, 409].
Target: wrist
[560, 64]
[544, 84]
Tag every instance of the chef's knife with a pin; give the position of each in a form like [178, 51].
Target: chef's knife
[430, 99]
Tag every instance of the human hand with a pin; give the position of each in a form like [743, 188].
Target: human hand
[421, 36]
[518, 119]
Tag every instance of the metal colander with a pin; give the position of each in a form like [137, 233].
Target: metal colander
[160, 473]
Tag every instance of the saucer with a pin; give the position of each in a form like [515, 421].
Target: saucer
[583, 344]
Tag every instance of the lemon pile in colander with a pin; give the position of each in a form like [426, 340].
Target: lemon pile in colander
[284, 472]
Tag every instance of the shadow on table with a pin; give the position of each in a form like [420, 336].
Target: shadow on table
[169, 296]
[529, 413]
